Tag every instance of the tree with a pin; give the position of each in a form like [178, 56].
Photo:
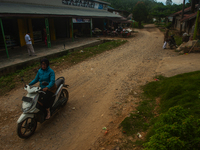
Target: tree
[140, 12]
[168, 2]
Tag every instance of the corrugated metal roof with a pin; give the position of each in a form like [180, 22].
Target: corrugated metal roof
[14, 9]
[46, 2]
[103, 2]
[122, 19]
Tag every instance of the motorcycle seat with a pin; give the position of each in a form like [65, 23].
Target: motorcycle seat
[58, 82]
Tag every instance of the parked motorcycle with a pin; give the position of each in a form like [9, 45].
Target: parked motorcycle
[172, 42]
[119, 30]
[33, 112]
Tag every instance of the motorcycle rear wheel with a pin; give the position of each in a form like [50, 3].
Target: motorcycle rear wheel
[26, 128]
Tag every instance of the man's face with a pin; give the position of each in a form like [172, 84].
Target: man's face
[44, 65]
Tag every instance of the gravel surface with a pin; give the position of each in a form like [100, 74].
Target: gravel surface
[95, 86]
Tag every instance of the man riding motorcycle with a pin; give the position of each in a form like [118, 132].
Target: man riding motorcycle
[46, 74]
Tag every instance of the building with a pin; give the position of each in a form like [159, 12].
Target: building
[57, 18]
[187, 22]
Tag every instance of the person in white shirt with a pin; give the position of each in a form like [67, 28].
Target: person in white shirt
[29, 44]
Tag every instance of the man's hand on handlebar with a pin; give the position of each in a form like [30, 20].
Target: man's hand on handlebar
[45, 89]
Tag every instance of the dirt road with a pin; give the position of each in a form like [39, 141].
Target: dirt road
[95, 86]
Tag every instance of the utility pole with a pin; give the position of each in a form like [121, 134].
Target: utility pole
[182, 16]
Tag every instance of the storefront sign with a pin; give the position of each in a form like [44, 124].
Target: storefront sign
[81, 20]
[85, 3]
[170, 19]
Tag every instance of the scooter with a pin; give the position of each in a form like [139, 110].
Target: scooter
[172, 42]
[33, 112]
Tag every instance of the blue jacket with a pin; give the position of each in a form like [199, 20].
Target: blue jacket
[47, 75]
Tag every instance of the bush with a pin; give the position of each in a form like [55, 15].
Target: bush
[168, 26]
[175, 130]
[178, 40]
[136, 25]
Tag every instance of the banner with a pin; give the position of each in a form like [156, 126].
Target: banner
[85, 3]
[82, 3]
[81, 20]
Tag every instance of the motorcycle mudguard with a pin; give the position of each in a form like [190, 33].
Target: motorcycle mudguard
[24, 116]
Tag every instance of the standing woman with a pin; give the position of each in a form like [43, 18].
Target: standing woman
[45, 73]
[166, 36]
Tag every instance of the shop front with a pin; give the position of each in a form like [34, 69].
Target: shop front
[49, 20]
[11, 33]
[39, 29]
[82, 27]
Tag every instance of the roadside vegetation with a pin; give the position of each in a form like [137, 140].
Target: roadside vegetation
[10, 81]
[152, 9]
[136, 25]
[169, 114]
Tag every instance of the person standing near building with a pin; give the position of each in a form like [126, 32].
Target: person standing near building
[29, 44]
[166, 36]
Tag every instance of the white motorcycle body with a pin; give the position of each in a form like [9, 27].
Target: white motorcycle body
[34, 111]
[29, 108]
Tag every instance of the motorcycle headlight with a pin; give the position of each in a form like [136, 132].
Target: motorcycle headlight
[26, 106]
[26, 109]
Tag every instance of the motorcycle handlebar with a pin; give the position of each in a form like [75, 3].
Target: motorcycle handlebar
[42, 92]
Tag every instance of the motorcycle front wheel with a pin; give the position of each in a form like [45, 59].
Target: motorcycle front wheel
[26, 128]
[64, 94]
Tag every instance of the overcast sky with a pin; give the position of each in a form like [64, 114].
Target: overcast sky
[174, 1]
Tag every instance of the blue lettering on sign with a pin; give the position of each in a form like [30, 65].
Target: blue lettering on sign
[100, 6]
[79, 20]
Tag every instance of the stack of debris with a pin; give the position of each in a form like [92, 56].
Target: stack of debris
[190, 46]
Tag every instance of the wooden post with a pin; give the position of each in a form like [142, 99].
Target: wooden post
[72, 30]
[104, 27]
[182, 16]
[91, 27]
[4, 37]
[47, 32]
[68, 34]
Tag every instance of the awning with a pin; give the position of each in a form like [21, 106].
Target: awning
[189, 17]
[185, 10]
[16, 9]
[121, 20]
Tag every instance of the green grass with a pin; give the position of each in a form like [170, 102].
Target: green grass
[181, 90]
[139, 120]
[10, 81]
